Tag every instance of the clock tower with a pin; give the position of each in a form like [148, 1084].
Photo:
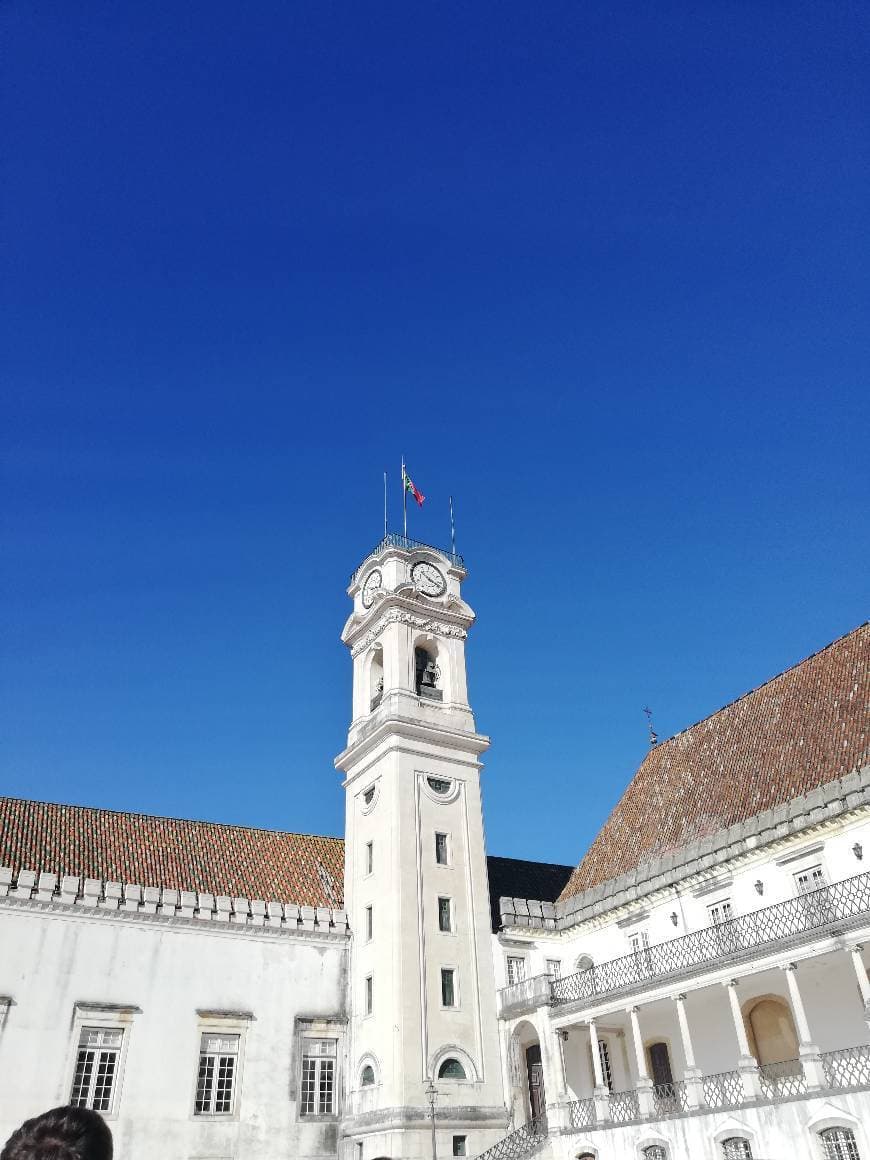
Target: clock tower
[421, 986]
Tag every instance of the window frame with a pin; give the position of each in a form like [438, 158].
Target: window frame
[105, 1017]
[454, 983]
[369, 864]
[368, 995]
[554, 974]
[320, 1058]
[211, 1112]
[825, 1135]
[224, 1023]
[747, 1149]
[451, 924]
[101, 1052]
[369, 923]
[510, 968]
[461, 1142]
[448, 860]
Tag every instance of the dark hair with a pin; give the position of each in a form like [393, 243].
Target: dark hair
[61, 1134]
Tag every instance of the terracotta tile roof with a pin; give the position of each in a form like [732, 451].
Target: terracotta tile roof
[800, 730]
[234, 860]
[516, 878]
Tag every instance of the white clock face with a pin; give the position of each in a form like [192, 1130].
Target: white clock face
[372, 584]
[427, 579]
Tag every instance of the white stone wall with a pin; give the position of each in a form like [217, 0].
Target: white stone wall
[163, 971]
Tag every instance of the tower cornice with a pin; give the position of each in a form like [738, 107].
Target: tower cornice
[450, 617]
[400, 729]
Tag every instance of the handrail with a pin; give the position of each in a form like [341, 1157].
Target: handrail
[523, 1142]
[808, 912]
[394, 540]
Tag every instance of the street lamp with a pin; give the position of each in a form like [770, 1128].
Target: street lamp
[432, 1096]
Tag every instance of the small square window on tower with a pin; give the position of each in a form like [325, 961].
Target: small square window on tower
[448, 987]
[441, 849]
[445, 914]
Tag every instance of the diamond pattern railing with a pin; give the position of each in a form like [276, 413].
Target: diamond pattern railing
[624, 1106]
[670, 1098]
[782, 1079]
[525, 1141]
[806, 913]
[849, 1067]
[581, 1113]
[723, 1090]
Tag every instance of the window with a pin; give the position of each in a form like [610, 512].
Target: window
[639, 944]
[839, 1144]
[358, 1151]
[439, 785]
[448, 987]
[451, 1069]
[367, 995]
[216, 1078]
[96, 1068]
[369, 924]
[516, 969]
[445, 915]
[811, 879]
[720, 912]
[459, 1146]
[369, 795]
[367, 1076]
[370, 857]
[654, 1152]
[815, 902]
[554, 968]
[441, 849]
[606, 1070]
[736, 1148]
[318, 1077]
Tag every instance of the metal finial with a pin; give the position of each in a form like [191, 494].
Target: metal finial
[653, 736]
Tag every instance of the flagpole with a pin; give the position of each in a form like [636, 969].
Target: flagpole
[452, 529]
[404, 500]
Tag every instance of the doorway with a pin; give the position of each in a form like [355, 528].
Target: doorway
[535, 1072]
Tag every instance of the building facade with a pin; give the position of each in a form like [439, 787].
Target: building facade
[695, 989]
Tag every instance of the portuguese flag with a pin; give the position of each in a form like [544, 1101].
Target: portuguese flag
[410, 486]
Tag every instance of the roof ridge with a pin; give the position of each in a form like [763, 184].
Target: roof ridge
[169, 818]
[757, 688]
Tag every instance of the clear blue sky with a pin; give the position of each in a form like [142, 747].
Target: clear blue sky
[600, 270]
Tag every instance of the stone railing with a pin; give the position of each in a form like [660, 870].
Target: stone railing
[130, 898]
[848, 1068]
[525, 995]
[525, 1141]
[807, 915]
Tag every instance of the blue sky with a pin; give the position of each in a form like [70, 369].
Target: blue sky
[599, 270]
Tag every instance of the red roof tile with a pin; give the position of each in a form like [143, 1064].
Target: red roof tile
[152, 851]
[800, 730]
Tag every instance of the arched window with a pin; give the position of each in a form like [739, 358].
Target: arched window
[427, 674]
[367, 1076]
[451, 1069]
[839, 1144]
[654, 1152]
[736, 1148]
[586, 1156]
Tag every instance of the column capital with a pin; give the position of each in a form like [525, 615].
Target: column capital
[634, 1010]
[790, 967]
[857, 947]
[681, 998]
[730, 982]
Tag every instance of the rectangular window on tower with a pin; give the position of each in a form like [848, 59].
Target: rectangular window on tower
[318, 1077]
[441, 849]
[445, 915]
[369, 924]
[370, 857]
[459, 1146]
[448, 987]
[368, 993]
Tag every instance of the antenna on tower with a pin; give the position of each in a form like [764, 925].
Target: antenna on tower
[653, 736]
[452, 529]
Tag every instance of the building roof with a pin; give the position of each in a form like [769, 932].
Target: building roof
[516, 878]
[800, 730]
[152, 851]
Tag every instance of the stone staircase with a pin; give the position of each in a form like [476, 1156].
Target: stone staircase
[525, 1141]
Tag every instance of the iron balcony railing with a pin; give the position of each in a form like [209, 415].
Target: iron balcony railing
[394, 540]
[808, 912]
[525, 1141]
[848, 1068]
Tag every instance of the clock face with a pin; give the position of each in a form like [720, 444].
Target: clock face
[427, 579]
[372, 584]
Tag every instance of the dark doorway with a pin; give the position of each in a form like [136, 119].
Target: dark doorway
[660, 1063]
[535, 1070]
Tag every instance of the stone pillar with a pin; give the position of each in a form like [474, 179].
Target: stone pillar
[746, 1062]
[644, 1083]
[601, 1094]
[553, 1092]
[561, 1040]
[861, 976]
[809, 1053]
[693, 1078]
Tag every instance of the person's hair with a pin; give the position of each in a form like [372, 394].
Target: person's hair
[61, 1134]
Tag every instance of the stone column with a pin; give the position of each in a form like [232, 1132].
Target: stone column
[746, 1062]
[601, 1093]
[693, 1078]
[861, 976]
[553, 1093]
[644, 1083]
[809, 1053]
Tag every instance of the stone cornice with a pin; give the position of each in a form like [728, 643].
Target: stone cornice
[399, 729]
[449, 617]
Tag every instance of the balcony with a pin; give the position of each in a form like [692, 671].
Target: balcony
[526, 995]
[844, 1070]
[838, 907]
[394, 540]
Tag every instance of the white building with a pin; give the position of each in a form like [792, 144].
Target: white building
[696, 989]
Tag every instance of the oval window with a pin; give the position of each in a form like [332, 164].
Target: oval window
[439, 784]
[451, 1069]
[367, 1076]
[368, 796]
